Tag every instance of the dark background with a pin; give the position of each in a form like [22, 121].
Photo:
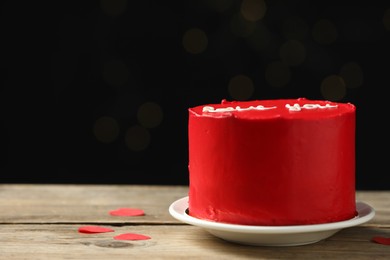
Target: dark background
[98, 92]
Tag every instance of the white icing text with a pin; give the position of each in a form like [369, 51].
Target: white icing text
[237, 108]
[295, 107]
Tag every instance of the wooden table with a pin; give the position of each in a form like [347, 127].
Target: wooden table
[42, 221]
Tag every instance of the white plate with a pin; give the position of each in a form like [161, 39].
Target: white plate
[271, 235]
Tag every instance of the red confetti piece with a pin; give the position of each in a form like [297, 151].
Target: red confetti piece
[381, 240]
[127, 212]
[131, 236]
[94, 229]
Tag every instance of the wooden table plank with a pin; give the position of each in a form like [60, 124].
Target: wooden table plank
[31, 203]
[85, 203]
[60, 241]
[380, 201]
[41, 222]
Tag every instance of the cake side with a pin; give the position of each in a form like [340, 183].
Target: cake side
[279, 166]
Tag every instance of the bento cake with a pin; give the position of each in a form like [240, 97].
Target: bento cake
[272, 162]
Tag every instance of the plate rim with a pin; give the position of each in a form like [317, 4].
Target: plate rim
[177, 210]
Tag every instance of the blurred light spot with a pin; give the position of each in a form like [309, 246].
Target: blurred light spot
[292, 53]
[137, 138]
[319, 61]
[253, 10]
[115, 73]
[277, 74]
[352, 75]
[195, 41]
[242, 27]
[324, 32]
[386, 19]
[106, 129]
[294, 28]
[358, 31]
[241, 87]
[219, 5]
[150, 115]
[222, 43]
[113, 7]
[333, 88]
[260, 39]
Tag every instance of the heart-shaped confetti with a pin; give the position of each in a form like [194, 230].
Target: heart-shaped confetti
[131, 236]
[381, 240]
[127, 212]
[94, 229]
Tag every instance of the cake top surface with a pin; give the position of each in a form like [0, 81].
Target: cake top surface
[276, 108]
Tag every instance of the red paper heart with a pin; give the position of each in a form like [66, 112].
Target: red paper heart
[127, 212]
[381, 240]
[131, 236]
[94, 229]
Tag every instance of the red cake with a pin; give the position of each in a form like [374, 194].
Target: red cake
[272, 162]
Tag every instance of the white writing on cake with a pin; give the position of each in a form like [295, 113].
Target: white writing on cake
[237, 108]
[295, 107]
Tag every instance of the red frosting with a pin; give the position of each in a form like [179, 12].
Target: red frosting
[272, 162]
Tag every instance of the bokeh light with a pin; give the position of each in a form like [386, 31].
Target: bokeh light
[219, 5]
[253, 10]
[260, 39]
[319, 61]
[358, 31]
[241, 27]
[277, 74]
[195, 41]
[137, 138]
[324, 32]
[115, 73]
[150, 114]
[333, 88]
[113, 7]
[292, 52]
[352, 75]
[241, 87]
[386, 19]
[106, 129]
[295, 28]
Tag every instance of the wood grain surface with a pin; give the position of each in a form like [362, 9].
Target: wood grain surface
[42, 221]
